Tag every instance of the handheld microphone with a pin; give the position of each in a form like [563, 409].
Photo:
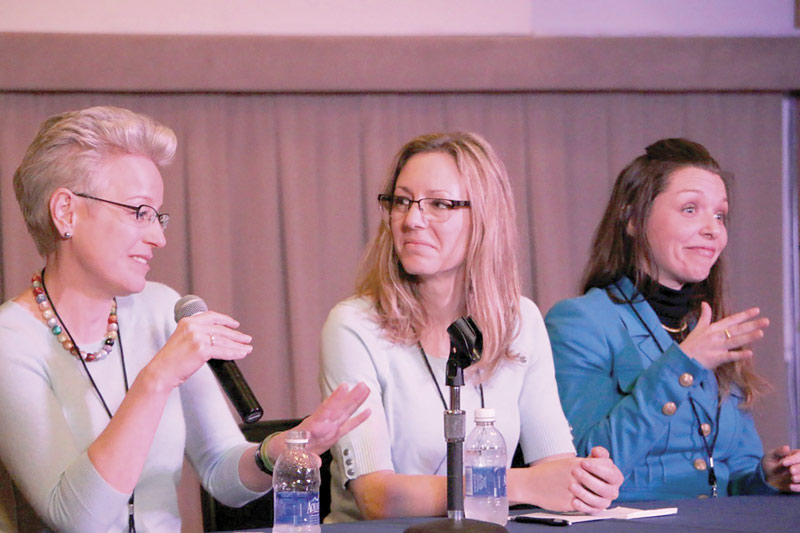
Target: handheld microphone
[227, 372]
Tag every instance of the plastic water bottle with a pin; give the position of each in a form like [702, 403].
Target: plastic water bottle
[485, 471]
[296, 487]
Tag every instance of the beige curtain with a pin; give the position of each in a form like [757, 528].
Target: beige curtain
[273, 200]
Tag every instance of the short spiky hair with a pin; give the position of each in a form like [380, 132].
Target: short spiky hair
[67, 151]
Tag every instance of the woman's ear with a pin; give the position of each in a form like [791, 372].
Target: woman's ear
[62, 211]
[627, 219]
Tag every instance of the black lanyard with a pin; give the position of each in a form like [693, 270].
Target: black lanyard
[712, 477]
[131, 523]
[436, 383]
[439, 390]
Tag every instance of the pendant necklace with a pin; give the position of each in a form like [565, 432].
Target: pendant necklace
[684, 326]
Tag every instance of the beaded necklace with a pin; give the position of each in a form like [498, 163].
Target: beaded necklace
[60, 331]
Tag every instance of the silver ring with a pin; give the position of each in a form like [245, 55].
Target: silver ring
[211, 338]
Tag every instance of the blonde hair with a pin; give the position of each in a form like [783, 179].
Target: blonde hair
[491, 283]
[67, 151]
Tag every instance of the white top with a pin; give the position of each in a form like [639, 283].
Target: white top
[405, 432]
[50, 414]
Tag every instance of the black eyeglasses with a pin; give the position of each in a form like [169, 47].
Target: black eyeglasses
[144, 213]
[436, 209]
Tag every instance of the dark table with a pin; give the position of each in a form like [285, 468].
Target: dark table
[740, 513]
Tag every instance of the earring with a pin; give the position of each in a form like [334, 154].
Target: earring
[67, 235]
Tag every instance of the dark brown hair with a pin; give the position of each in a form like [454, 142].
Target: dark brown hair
[620, 246]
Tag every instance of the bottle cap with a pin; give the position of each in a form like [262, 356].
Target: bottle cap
[484, 414]
[297, 437]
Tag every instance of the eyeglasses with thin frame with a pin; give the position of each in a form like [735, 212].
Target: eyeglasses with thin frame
[144, 213]
[435, 209]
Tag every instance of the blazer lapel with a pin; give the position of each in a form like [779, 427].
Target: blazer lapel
[637, 322]
[706, 396]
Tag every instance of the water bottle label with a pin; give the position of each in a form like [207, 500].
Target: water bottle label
[485, 481]
[297, 508]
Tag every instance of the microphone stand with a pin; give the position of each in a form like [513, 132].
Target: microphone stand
[466, 345]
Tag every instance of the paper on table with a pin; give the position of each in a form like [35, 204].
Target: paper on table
[621, 513]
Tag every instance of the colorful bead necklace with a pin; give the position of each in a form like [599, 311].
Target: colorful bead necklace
[50, 316]
[58, 329]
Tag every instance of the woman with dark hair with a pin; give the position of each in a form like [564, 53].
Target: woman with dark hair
[446, 248]
[670, 370]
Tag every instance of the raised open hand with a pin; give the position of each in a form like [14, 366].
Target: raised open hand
[330, 421]
[720, 342]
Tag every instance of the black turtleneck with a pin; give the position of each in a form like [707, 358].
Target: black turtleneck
[670, 305]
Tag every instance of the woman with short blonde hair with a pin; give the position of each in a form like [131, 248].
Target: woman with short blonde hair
[102, 394]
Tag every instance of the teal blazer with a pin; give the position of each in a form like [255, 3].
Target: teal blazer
[619, 390]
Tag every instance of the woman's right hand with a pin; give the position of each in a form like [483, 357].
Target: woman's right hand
[714, 344]
[566, 483]
[198, 338]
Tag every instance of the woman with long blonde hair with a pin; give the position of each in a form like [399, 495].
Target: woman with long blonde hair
[446, 248]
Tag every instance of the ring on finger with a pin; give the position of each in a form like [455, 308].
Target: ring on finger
[212, 337]
[727, 333]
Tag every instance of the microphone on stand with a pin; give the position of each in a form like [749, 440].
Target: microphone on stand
[227, 372]
[466, 347]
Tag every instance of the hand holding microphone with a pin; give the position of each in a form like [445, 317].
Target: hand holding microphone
[227, 372]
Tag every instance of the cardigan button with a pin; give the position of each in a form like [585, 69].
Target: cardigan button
[669, 408]
[705, 429]
[700, 464]
[351, 473]
[686, 379]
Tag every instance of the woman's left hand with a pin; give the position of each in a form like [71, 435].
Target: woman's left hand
[725, 341]
[597, 482]
[334, 417]
[782, 468]
[330, 421]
